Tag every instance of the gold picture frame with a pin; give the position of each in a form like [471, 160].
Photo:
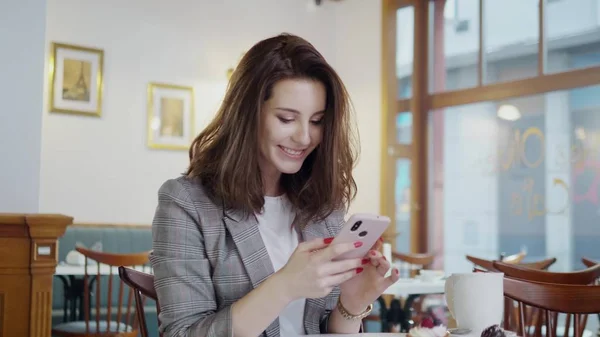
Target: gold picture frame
[76, 79]
[170, 116]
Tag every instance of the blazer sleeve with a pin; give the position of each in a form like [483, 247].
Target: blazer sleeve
[182, 272]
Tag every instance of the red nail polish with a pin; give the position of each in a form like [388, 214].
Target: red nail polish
[374, 253]
[328, 240]
[381, 239]
[396, 271]
[365, 261]
[359, 270]
[384, 258]
[357, 244]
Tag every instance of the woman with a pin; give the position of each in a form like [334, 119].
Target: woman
[242, 240]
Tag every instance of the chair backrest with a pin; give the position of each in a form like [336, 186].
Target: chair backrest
[589, 262]
[142, 284]
[536, 318]
[106, 265]
[515, 258]
[489, 264]
[583, 277]
[551, 299]
[413, 263]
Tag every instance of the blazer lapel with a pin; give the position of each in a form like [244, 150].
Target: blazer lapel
[313, 306]
[252, 250]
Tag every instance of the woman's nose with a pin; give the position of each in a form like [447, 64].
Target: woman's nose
[302, 135]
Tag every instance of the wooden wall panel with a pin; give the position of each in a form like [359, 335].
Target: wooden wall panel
[28, 251]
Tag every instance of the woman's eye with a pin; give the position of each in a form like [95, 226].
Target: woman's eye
[285, 120]
[318, 122]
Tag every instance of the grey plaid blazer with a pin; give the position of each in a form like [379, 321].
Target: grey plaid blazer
[206, 258]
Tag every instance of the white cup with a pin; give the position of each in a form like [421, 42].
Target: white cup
[475, 300]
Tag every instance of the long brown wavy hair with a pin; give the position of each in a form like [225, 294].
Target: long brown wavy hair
[224, 156]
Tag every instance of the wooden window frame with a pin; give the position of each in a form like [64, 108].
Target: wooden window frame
[422, 102]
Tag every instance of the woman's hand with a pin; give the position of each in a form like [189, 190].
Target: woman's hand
[358, 292]
[311, 273]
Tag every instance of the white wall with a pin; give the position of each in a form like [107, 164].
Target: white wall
[21, 94]
[100, 169]
[358, 61]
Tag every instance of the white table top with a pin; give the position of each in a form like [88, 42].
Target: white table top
[366, 334]
[402, 288]
[79, 270]
[405, 287]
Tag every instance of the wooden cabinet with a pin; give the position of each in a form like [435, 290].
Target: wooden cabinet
[28, 258]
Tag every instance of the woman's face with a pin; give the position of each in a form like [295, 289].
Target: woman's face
[291, 125]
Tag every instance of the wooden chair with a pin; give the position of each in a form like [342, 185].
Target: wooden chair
[535, 317]
[589, 262]
[96, 323]
[489, 264]
[583, 277]
[411, 265]
[551, 299]
[515, 258]
[414, 262]
[143, 285]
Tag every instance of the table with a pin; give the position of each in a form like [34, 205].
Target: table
[366, 334]
[79, 270]
[411, 289]
[407, 287]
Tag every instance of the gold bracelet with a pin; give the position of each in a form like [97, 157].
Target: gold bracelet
[350, 316]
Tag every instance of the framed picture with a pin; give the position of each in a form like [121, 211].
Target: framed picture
[76, 80]
[170, 116]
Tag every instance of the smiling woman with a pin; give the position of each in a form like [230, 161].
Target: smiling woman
[282, 94]
[243, 242]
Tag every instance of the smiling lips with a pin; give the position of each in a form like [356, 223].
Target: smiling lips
[292, 153]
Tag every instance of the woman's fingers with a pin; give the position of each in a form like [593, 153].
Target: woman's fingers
[378, 245]
[390, 280]
[340, 278]
[337, 267]
[333, 251]
[315, 244]
[379, 261]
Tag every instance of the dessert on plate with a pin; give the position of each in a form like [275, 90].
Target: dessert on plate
[493, 331]
[428, 329]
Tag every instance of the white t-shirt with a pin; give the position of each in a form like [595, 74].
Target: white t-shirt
[275, 226]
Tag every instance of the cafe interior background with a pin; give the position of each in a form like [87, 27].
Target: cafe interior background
[478, 121]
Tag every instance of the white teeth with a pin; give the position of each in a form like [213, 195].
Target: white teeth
[291, 152]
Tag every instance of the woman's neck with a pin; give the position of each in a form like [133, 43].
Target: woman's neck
[272, 184]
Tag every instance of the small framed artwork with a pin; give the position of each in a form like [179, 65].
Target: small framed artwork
[76, 80]
[170, 116]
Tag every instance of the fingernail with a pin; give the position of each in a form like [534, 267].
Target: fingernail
[328, 240]
[359, 270]
[365, 261]
[374, 253]
[381, 239]
[396, 271]
[384, 258]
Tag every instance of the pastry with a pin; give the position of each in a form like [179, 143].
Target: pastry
[428, 329]
[493, 331]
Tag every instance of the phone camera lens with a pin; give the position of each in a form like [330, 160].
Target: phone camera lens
[355, 226]
[363, 233]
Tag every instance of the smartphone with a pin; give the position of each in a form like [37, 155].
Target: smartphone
[364, 227]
